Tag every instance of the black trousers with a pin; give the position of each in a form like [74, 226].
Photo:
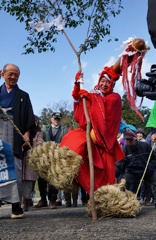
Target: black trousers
[132, 183]
[73, 195]
[46, 189]
[84, 195]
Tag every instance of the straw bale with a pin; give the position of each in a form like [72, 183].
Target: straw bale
[57, 165]
[115, 201]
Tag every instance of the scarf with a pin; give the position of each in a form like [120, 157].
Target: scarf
[6, 99]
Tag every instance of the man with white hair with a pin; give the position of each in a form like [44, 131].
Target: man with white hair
[16, 103]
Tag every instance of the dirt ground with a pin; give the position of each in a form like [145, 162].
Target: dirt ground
[73, 223]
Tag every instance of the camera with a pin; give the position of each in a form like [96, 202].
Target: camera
[146, 87]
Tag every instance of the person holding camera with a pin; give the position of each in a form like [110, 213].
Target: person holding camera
[151, 16]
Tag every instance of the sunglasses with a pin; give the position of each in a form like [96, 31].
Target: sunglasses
[57, 118]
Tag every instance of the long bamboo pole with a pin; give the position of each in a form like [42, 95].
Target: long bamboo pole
[90, 157]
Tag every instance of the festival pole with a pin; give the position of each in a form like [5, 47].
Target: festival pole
[88, 128]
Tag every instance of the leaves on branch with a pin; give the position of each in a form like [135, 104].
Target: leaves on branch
[93, 15]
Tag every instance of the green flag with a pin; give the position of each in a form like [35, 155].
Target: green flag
[152, 118]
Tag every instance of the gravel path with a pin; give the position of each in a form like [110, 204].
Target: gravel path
[73, 223]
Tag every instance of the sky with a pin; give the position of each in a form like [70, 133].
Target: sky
[48, 77]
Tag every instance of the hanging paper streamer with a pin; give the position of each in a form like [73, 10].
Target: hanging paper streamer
[40, 26]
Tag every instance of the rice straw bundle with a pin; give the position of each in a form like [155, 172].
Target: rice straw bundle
[115, 201]
[57, 165]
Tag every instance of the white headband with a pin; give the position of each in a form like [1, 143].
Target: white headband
[106, 76]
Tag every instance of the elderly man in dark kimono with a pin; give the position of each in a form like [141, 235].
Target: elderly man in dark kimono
[16, 103]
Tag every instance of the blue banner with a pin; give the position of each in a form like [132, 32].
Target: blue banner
[7, 166]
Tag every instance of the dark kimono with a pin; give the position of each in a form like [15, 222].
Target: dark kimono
[23, 118]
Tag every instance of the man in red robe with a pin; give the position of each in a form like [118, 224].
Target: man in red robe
[104, 110]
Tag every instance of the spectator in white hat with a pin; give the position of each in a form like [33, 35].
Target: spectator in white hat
[140, 135]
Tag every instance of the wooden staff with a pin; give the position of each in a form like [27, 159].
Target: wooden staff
[89, 149]
[90, 157]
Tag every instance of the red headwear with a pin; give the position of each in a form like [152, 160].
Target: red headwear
[129, 61]
[109, 73]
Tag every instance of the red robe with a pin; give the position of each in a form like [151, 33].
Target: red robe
[105, 116]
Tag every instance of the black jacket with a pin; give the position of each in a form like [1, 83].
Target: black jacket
[136, 159]
[23, 118]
